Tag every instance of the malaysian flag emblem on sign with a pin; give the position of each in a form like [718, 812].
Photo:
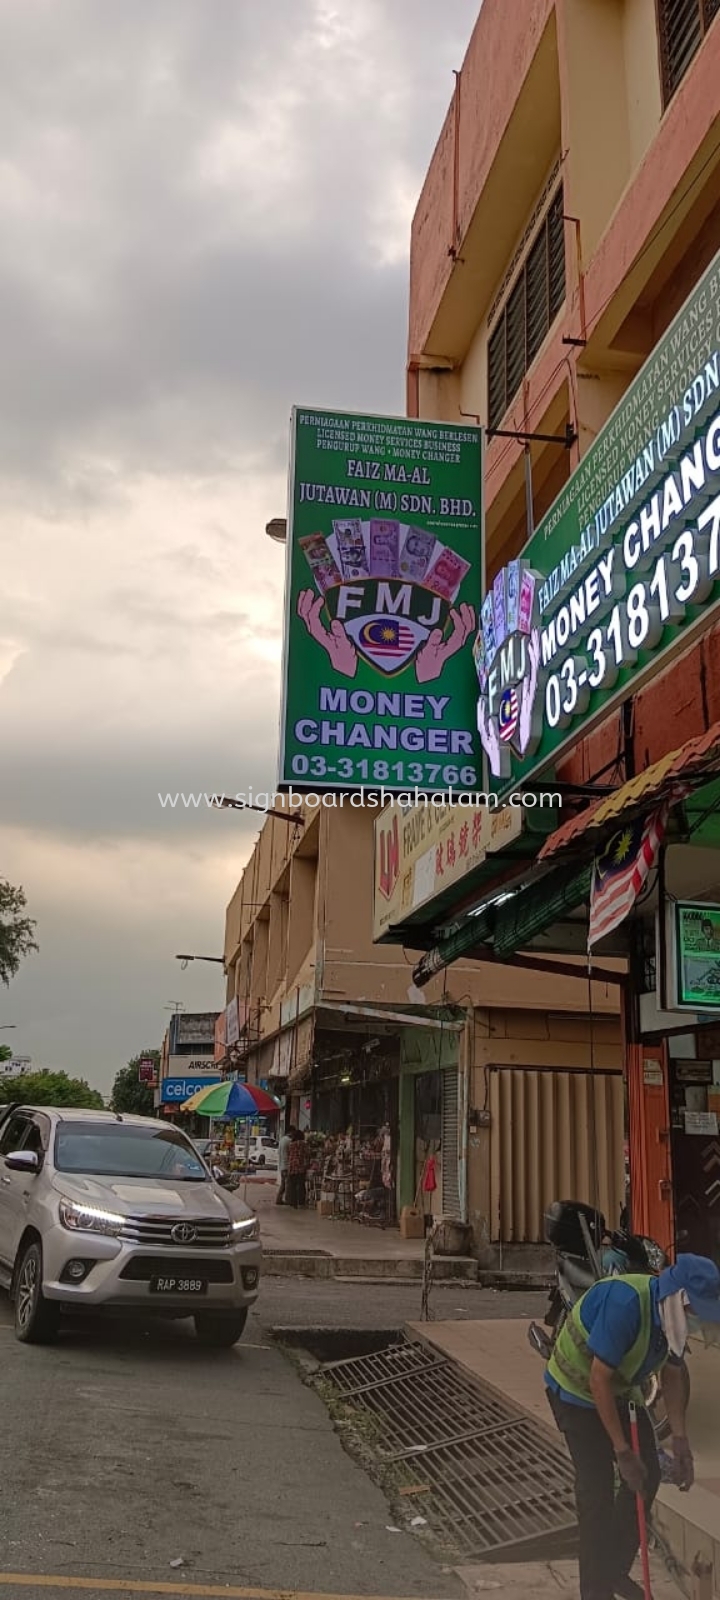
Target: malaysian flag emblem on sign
[621, 872]
[508, 714]
[388, 637]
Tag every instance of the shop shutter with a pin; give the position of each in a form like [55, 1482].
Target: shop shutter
[554, 1135]
[450, 1145]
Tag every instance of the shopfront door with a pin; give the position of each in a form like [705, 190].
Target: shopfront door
[651, 1191]
[695, 1157]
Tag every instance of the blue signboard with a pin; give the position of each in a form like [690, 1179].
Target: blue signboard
[173, 1091]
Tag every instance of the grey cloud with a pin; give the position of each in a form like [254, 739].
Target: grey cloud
[199, 230]
[175, 316]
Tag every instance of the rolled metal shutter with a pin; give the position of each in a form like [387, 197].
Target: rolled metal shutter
[450, 1144]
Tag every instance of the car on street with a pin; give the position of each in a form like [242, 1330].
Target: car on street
[263, 1151]
[204, 1148]
[100, 1211]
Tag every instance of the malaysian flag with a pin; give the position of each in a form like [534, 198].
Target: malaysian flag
[387, 638]
[508, 715]
[622, 870]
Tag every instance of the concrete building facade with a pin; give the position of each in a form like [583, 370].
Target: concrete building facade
[570, 210]
[462, 1073]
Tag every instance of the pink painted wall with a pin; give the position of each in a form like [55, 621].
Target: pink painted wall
[497, 61]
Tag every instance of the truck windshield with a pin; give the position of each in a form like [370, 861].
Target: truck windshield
[111, 1150]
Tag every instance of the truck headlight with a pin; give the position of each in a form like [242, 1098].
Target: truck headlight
[246, 1229]
[89, 1219]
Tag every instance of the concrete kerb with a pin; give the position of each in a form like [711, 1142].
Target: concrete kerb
[318, 1264]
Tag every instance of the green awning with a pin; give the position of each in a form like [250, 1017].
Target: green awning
[528, 914]
[512, 925]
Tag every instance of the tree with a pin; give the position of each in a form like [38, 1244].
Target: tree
[129, 1094]
[5, 1052]
[50, 1089]
[16, 930]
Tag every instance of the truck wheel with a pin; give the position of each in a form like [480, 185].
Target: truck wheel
[220, 1329]
[36, 1319]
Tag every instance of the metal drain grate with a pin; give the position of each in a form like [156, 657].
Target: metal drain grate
[495, 1479]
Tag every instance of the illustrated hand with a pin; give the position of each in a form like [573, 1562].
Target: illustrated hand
[684, 1464]
[339, 647]
[437, 650]
[632, 1471]
[490, 739]
[529, 690]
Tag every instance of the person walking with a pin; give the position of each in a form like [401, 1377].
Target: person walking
[619, 1333]
[283, 1151]
[297, 1170]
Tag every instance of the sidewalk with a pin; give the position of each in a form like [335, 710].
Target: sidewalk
[554, 1580]
[499, 1353]
[303, 1243]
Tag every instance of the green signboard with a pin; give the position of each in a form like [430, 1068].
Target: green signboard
[384, 557]
[624, 568]
[697, 956]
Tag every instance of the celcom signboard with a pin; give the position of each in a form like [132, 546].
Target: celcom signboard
[382, 598]
[624, 568]
[175, 1090]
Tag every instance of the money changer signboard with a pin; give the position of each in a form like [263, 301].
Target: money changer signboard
[624, 567]
[382, 605]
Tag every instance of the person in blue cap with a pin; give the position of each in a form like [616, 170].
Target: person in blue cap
[620, 1332]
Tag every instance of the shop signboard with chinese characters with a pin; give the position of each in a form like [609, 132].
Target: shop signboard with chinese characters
[384, 559]
[625, 567]
[425, 849]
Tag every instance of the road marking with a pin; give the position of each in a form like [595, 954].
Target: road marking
[42, 1580]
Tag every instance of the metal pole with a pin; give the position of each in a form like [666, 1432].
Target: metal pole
[247, 1156]
[529, 493]
[642, 1519]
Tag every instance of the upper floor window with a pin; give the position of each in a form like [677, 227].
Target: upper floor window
[527, 312]
[683, 25]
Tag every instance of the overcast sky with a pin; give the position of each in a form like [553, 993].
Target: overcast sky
[205, 210]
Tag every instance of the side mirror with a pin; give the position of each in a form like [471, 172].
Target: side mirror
[23, 1161]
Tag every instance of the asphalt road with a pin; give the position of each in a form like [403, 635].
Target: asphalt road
[123, 1451]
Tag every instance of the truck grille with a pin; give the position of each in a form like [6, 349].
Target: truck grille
[211, 1233]
[143, 1268]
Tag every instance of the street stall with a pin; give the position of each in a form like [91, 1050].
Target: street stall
[358, 1178]
[231, 1103]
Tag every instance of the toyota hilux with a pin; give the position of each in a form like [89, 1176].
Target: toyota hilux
[100, 1211]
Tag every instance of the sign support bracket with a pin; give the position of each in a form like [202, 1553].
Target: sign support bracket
[566, 439]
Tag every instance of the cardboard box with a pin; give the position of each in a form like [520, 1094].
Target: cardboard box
[325, 1208]
[412, 1223]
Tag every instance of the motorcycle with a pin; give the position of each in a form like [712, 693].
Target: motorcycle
[226, 1180]
[585, 1252]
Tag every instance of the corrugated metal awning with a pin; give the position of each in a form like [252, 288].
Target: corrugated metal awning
[697, 756]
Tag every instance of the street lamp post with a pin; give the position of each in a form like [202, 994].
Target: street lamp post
[223, 802]
[185, 959]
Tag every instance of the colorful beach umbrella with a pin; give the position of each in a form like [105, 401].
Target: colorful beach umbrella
[232, 1099]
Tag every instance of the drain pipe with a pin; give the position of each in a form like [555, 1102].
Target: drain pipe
[465, 1100]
